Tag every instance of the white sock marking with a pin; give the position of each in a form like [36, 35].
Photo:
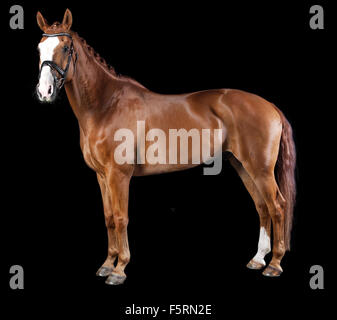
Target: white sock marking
[263, 246]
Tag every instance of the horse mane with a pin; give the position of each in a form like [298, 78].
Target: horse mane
[103, 62]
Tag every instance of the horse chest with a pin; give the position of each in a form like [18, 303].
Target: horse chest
[89, 155]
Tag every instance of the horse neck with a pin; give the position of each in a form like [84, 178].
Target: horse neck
[87, 86]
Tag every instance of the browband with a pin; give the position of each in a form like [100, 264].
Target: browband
[57, 34]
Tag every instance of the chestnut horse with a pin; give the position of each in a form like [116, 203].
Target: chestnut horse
[255, 133]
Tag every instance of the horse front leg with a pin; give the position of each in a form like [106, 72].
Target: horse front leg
[108, 266]
[118, 186]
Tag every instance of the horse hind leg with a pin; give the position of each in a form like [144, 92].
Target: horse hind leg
[257, 262]
[275, 203]
[262, 174]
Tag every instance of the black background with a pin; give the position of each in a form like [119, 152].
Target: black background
[190, 235]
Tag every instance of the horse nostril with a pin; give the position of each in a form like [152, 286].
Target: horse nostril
[49, 90]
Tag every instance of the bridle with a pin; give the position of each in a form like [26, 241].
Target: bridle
[62, 72]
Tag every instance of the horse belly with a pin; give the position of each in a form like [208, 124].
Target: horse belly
[180, 146]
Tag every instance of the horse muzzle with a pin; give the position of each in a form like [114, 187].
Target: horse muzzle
[47, 91]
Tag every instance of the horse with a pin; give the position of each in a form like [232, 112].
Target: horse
[255, 133]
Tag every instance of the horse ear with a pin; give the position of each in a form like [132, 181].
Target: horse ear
[41, 21]
[67, 19]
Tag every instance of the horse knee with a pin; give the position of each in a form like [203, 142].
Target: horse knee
[121, 223]
[109, 222]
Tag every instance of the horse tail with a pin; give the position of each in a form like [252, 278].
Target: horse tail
[285, 175]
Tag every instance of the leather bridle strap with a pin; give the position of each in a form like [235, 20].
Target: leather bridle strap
[62, 72]
[60, 34]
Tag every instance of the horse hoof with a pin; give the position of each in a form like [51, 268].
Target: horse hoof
[271, 271]
[255, 265]
[115, 279]
[104, 271]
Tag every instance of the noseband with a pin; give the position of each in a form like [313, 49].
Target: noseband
[62, 72]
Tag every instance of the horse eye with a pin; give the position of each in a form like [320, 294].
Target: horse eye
[65, 48]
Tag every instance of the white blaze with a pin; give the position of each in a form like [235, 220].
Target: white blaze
[46, 81]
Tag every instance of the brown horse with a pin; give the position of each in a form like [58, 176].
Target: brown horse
[254, 131]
